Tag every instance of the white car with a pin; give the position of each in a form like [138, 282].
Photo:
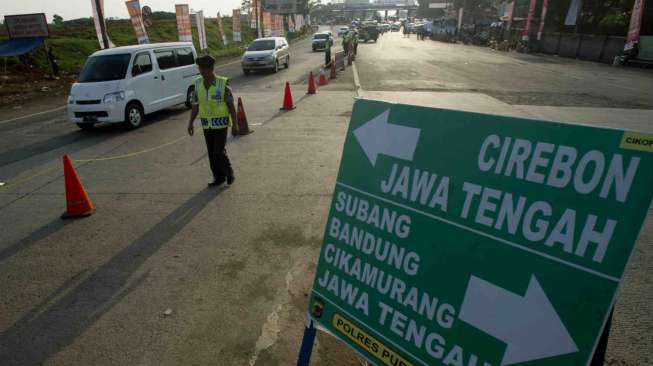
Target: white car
[342, 31]
[123, 84]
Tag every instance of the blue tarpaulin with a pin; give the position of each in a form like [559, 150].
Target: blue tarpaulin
[19, 46]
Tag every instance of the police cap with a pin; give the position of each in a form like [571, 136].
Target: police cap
[205, 60]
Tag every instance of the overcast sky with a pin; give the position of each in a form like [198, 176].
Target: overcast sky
[71, 9]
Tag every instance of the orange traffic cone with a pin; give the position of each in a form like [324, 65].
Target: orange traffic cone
[323, 79]
[77, 202]
[243, 126]
[334, 72]
[287, 99]
[311, 84]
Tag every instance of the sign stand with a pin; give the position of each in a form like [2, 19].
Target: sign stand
[602, 347]
[307, 344]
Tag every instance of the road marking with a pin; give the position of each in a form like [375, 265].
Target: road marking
[478, 232]
[32, 115]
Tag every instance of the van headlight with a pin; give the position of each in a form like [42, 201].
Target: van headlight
[71, 99]
[114, 97]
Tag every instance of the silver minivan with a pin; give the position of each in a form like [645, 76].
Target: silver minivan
[123, 84]
[266, 54]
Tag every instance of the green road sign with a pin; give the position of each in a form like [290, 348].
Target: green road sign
[465, 239]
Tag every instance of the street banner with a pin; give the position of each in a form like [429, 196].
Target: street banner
[525, 34]
[299, 21]
[291, 25]
[267, 24]
[134, 9]
[572, 13]
[183, 23]
[27, 25]
[459, 238]
[460, 19]
[236, 25]
[259, 27]
[201, 30]
[540, 30]
[252, 14]
[221, 29]
[635, 25]
[100, 24]
[511, 15]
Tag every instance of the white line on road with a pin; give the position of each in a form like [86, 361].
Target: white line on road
[32, 115]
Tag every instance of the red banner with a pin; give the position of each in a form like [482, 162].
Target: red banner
[236, 25]
[183, 23]
[635, 25]
[134, 9]
[545, 6]
[529, 20]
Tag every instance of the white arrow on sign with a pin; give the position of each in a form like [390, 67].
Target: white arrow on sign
[377, 136]
[529, 325]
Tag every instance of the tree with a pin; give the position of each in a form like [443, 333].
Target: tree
[57, 20]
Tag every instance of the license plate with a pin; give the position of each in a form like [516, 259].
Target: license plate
[90, 119]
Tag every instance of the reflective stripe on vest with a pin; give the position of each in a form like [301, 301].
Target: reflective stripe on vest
[213, 110]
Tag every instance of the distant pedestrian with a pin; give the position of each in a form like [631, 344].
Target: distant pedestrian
[54, 64]
[213, 101]
[327, 53]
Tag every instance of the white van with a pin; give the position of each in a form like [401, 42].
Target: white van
[123, 84]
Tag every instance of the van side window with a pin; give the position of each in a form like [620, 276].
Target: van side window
[142, 64]
[185, 56]
[166, 59]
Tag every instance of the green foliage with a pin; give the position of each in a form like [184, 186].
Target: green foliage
[57, 20]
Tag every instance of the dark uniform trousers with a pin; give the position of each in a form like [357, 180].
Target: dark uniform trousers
[216, 140]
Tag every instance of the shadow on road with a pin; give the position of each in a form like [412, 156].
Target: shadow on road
[42, 333]
[26, 242]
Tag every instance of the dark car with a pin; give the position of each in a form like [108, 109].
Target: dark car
[368, 33]
[320, 41]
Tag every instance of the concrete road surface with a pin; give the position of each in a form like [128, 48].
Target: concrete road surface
[168, 272]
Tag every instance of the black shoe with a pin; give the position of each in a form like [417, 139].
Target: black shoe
[230, 179]
[216, 182]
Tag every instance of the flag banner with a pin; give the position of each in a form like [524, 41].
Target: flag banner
[572, 13]
[201, 31]
[529, 20]
[635, 25]
[252, 14]
[545, 6]
[259, 20]
[236, 25]
[267, 24]
[134, 9]
[183, 23]
[100, 24]
[299, 21]
[460, 19]
[221, 29]
[291, 25]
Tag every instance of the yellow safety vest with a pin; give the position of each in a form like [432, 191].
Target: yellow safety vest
[213, 109]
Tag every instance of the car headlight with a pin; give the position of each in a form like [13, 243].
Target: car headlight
[269, 57]
[71, 99]
[114, 97]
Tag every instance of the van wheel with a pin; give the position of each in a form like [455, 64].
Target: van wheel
[276, 66]
[133, 115]
[246, 71]
[189, 95]
[287, 64]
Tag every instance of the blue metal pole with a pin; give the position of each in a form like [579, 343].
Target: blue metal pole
[307, 344]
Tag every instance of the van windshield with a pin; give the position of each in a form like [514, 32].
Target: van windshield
[261, 45]
[104, 68]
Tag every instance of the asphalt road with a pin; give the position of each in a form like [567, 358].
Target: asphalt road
[167, 272]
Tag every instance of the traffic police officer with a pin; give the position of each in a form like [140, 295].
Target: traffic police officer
[213, 101]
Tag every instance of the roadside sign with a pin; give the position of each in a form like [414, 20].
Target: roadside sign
[27, 25]
[459, 238]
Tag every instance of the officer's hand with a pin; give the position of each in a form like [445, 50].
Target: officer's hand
[191, 130]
